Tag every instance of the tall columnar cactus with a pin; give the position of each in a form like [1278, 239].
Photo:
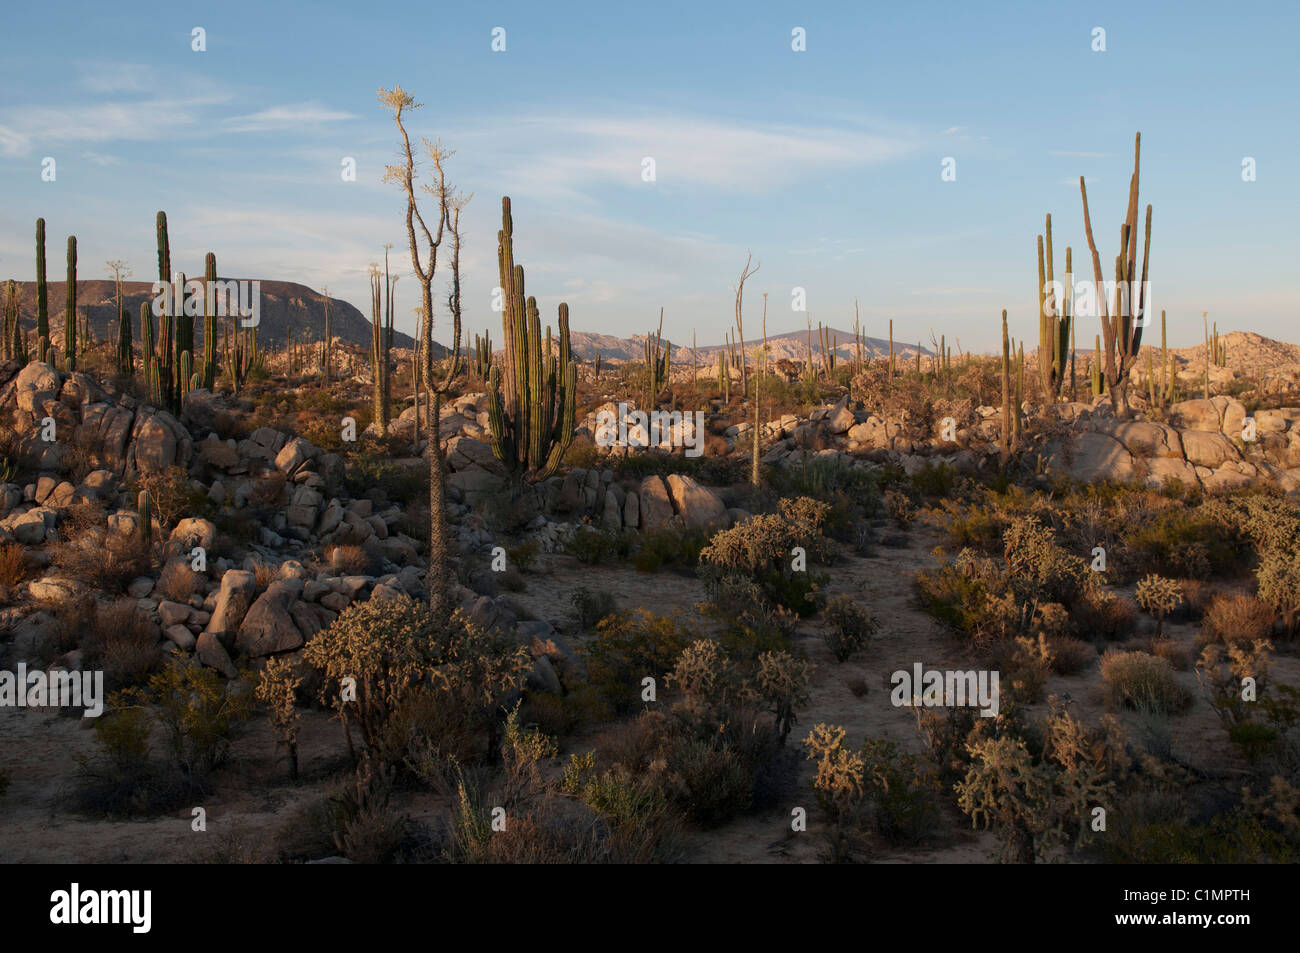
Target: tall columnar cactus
[1094, 369]
[182, 328]
[184, 379]
[70, 309]
[657, 363]
[327, 356]
[125, 348]
[155, 375]
[210, 321]
[146, 343]
[1020, 394]
[1053, 319]
[42, 293]
[533, 406]
[144, 506]
[891, 349]
[7, 347]
[166, 319]
[379, 344]
[1006, 388]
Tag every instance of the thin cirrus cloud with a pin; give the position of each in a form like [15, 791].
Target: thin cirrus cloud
[567, 152]
[288, 116]
[25, 128]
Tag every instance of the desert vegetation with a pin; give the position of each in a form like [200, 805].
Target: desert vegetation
[446, 604]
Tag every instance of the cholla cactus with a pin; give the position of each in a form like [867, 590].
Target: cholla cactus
[781, 682]
[1159, 595]
[278, 688]
[701, 673]
[1278, 576]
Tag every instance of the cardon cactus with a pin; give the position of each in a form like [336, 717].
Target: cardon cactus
[184, 380]
[1053, 319]
[70, 310]
[155, 381]
[42, 290]
[482, 356]
[144, 505]
[533, 404]
[1094, 369]
[210, 321]
[657, 362]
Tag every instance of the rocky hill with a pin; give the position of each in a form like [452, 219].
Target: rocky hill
[286, 307]
[792, 346]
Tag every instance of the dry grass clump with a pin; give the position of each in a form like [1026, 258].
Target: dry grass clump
[178, 581]
[123, 643]
[1144, 682]
[1070, 656]
[350, 560]
[108, 564]
[14, 568]
[1236, 617]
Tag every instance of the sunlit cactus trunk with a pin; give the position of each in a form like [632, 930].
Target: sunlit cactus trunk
[70, 309]
[209, 321]
[533, 406]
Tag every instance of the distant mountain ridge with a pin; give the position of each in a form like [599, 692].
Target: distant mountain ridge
[790, 345]
[286, 307]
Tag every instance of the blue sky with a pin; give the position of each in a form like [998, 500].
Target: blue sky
[825, 163]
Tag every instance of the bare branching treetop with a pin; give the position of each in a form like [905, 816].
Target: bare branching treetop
[745, 274]
[424, 242]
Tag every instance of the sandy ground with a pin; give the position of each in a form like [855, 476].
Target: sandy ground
[40, 748]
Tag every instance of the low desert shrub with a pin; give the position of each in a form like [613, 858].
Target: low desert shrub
[848, 627]
[1236, 616]
[123, 643]
[630, 646]
[1138, 679]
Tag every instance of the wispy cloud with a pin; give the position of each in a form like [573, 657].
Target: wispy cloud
[288, 116]
[28, 127]
[565, 153]
[118, 77]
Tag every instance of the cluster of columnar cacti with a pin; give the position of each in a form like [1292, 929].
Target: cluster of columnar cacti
[1053, 319]
[829, 344]
[657, 363]
[381, 312]
[482, 364]
[533, 403]
[1216, 351]
[1123, 329]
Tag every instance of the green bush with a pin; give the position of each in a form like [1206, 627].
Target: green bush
[848, 627]
[631, 646]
